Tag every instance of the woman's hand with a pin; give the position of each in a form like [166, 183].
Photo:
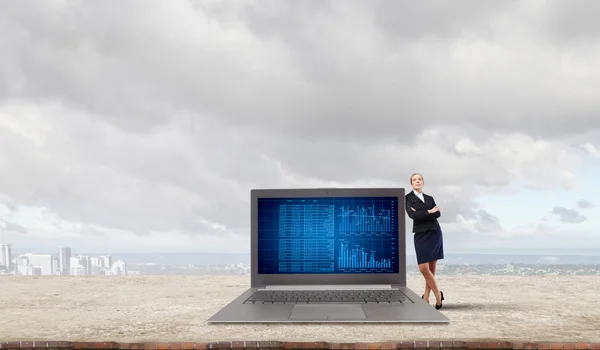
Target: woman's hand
[433, 210]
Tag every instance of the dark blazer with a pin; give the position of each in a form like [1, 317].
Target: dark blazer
[422, 220]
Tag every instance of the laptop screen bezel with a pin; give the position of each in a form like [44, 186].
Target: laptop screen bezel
[260, 280]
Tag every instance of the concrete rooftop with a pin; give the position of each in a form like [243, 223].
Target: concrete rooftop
[175, 308]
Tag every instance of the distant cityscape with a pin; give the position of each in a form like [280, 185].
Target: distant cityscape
[65, 262]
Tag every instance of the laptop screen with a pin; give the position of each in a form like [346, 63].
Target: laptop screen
[327, 235]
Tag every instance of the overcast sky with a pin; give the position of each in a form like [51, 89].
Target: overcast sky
[142, 126]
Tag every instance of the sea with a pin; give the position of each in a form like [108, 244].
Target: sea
[452, 257]
[481, 258]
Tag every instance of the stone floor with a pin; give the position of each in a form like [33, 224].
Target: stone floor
[175, 308]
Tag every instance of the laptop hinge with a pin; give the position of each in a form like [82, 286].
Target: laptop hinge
[328, 287]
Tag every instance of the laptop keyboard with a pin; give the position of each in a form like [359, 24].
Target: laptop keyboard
[386, 296]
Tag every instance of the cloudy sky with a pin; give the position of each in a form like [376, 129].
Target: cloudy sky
[142, 126]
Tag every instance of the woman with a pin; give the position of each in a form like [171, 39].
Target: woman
[429, 244]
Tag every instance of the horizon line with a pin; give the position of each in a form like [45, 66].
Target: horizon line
[567, 252]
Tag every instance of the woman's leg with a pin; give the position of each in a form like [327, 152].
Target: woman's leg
[430, 281]
[432, 268]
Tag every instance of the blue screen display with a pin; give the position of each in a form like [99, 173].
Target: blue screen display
[328, 235]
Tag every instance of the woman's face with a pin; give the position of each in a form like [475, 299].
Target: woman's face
[417, 182]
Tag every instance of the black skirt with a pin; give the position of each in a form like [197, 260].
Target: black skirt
[429, 245]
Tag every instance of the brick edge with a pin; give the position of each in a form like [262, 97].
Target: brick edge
[247, 344]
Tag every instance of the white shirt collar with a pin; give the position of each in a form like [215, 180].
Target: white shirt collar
[418, 194]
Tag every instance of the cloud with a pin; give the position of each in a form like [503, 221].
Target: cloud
[487, 222]
[148, 62]
[194, 175]
[474, 224]
[567, 25]
[544, 227]
[591, 149]
[152, 118]
[10, 226]
[89, 171]
[584, 204]
[568, 215]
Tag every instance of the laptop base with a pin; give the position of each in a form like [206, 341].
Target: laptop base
[415, 311]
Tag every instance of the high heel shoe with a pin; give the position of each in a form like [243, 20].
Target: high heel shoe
[437, 307]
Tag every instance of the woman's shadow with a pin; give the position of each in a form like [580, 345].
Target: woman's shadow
[480, 306]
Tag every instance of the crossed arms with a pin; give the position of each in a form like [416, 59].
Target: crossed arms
[418, 215]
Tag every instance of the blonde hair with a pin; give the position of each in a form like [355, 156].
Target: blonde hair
[411, 177]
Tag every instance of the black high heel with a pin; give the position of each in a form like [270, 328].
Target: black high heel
[437, 307]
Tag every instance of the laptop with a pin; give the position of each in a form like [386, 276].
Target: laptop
[328, 255]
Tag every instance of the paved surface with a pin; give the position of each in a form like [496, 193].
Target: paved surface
[175, 308]
[239, 345]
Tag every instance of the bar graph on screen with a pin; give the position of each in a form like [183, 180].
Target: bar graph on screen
[358, 258]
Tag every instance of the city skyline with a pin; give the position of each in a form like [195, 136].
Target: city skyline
[61, 263]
